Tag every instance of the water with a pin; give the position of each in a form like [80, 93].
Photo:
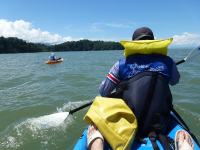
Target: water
[30, 90]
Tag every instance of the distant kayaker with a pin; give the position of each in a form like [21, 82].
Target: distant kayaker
[130, 66]
[52, 57]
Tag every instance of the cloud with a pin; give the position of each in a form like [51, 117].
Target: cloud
[117, 25]
[95, 29]
[23, 30]
[26, 31]
[67, 27]
[186, 39]
[103, 39]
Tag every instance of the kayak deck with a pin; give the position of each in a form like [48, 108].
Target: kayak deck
[172, 128]
[54, 61]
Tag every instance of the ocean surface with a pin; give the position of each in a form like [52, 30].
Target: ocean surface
[31, 90]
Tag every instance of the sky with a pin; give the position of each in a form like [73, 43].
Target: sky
[58, 21]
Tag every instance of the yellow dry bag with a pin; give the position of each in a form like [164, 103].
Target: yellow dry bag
[115, 120]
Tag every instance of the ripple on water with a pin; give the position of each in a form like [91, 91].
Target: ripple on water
[43, 130]
[30, 89]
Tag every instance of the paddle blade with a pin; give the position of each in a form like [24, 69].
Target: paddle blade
[52, 120]
[194, 55]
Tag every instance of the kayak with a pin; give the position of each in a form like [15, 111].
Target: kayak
[174, 125]
[54, 61]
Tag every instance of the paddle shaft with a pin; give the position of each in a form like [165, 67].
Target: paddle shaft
[180, 62]
[79, 108]
[88, 104]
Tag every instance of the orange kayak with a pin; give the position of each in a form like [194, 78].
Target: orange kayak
[54, 61]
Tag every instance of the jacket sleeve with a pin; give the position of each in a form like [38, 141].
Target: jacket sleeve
[109, 84]
[175, 76]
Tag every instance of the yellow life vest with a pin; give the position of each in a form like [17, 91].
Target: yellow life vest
[115, 120]
[146, 47]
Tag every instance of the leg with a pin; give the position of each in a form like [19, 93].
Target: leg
[184, 140]
[97, 143]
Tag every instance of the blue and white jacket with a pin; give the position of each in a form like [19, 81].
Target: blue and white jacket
[129, 66]
[52, 57]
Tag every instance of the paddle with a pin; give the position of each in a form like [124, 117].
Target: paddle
[60, 59]
[192, 56]
[58, 118]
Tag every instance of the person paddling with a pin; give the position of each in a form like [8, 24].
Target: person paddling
[142, 80]
[130, 66]
[52, 57]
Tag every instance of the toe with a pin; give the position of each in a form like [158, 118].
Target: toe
[181, 139]
[192, 146]
[95, 127]
[188, 140]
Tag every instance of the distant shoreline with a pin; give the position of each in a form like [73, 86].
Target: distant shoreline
[62, 51]
[15, 45]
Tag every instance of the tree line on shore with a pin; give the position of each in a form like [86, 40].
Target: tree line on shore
[15, 45]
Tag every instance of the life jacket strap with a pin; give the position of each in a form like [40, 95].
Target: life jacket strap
[152, 137]
[165, 142]
[155, 132]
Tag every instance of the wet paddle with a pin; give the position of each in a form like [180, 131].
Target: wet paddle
[58, 118]
[192, 56]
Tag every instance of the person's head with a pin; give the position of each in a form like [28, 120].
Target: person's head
[143, 33]
[52, 53]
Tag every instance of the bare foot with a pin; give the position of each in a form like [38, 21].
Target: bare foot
[182, 135]
[96, 144]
